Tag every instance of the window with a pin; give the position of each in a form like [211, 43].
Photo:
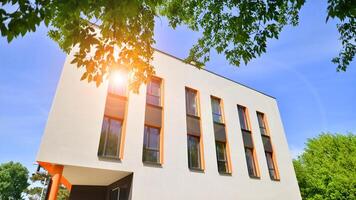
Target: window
[242, 117]
[217, 115]
[154, 92]
[221, 157]
[194, 152]
[270, 164]
[153, 123]
[221, 143]
[151, 145]
[193, 130]
[110, 138]
[267, 145]
[262, 124]
[191, 102]
[250, 162]
[248, 142]
[114, 118]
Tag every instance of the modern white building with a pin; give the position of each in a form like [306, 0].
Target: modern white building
[189, 134]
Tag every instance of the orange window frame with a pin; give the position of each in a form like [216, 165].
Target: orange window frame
[254, 153]
[274, 159]
[161, 132]
[201, 141]
[124, 119]
[228, 154]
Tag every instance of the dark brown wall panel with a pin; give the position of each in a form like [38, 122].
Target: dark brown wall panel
[267, 144]
[247, 138]
[193, 125]
[84, 192]
[115, 107]
[153, 116]
[219, 131]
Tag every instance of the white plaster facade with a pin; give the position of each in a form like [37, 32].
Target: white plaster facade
[73, 129]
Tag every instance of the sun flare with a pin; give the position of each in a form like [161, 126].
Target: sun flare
[118, 78]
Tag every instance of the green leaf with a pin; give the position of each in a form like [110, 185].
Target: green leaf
[10, 37]
[327, 167]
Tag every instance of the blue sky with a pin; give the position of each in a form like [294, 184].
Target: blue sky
[296, 69]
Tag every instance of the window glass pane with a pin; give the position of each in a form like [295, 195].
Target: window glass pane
[220, 151]
[269, 160]
[117, 89]
[154, 92]
[263, 131]
[262, 124]
[149, 87]
[260, 120]
[221, 156]
[191, 102]
[155, 89]
[217, 118]
[113, 138]
[145, 137]
[215, 104]
[105, 126]
[272, 174]
[153, 138]
[250, 162]
[193, 152]
[150, 155]
[153, 100]
[222, 166]
[151, 144]
[270, 165]
[242, 118]
[104, 131]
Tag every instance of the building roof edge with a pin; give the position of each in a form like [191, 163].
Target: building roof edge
[182, 60]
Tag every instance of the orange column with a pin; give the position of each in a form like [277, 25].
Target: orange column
[56, 181]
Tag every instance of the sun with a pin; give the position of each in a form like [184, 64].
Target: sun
[118, 78]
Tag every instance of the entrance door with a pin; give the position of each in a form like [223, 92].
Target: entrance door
[115, 194]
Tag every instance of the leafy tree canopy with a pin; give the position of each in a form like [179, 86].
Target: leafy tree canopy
[13, 180]
[124, 40]
[40, 181]
[327, 168]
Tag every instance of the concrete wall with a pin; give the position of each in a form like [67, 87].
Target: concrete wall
[73, 131]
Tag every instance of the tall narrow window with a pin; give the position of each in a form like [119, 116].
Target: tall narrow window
[152, 141]
[221, 143]
[267, 144]
[111, 131]
[193, 130]
[250, 154]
